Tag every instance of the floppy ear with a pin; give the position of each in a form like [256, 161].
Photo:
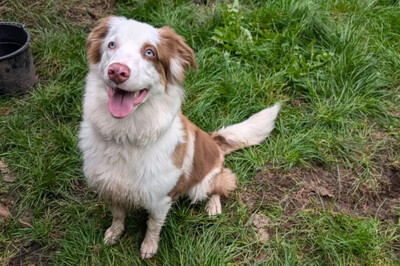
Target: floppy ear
[175, 55]
[95, 39]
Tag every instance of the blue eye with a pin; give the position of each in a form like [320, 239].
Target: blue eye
[112, 45]
[149, 52]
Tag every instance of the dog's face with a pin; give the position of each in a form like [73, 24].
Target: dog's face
[136, 61]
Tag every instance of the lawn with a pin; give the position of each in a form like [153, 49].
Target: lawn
[324, 189]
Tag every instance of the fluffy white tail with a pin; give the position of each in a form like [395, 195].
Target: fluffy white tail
[249, 132]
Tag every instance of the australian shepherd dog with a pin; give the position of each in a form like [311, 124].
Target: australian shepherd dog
[138, 149]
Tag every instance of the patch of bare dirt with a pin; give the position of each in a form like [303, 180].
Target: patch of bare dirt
[339, 189]
[393, 175]
[31, 253]
[87, 12]
[300, 189]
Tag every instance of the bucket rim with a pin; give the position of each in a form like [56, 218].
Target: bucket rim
[24, 46]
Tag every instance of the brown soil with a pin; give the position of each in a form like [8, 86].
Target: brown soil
[30, 254]
[300, 189]
[87, 12]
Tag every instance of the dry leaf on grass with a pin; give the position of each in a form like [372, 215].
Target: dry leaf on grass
[25, 218]
[263, 235]
[5, 172]
[260, 221]
[4, 212]
[323, 192]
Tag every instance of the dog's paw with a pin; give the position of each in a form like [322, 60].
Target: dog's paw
[148, 248]
[213, 206]
[111, 236]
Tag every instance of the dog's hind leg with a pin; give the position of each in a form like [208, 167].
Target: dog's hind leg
[213, 206]
[117, 226]
[222, 183]
[157, 216]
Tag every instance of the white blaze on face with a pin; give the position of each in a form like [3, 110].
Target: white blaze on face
[123, 45]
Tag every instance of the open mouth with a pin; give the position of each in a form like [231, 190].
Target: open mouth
[121, 102]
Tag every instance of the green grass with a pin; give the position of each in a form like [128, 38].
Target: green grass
[335, 67]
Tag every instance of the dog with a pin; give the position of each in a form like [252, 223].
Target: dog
[138, 149]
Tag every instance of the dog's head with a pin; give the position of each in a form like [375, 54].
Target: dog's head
[136, 61]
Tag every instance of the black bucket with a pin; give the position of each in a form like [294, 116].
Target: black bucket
[17, 73]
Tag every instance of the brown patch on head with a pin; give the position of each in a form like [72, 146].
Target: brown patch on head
[173, 47]
[207, 157]
[95, 39]
[154, 59]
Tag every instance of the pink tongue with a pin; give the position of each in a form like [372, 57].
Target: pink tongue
[120, 103]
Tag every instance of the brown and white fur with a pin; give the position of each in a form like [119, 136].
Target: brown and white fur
[138, 149]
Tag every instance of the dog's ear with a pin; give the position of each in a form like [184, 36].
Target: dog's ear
[175, 55]
[95, 39]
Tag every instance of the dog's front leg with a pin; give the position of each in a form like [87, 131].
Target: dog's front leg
[117, 226]
[157, 216]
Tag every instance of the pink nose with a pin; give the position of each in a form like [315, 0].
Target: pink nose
[118, 72]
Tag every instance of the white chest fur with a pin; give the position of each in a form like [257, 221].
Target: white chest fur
[126, 173]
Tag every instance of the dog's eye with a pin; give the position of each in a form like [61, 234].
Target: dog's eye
[112, 45]
[149, 52]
